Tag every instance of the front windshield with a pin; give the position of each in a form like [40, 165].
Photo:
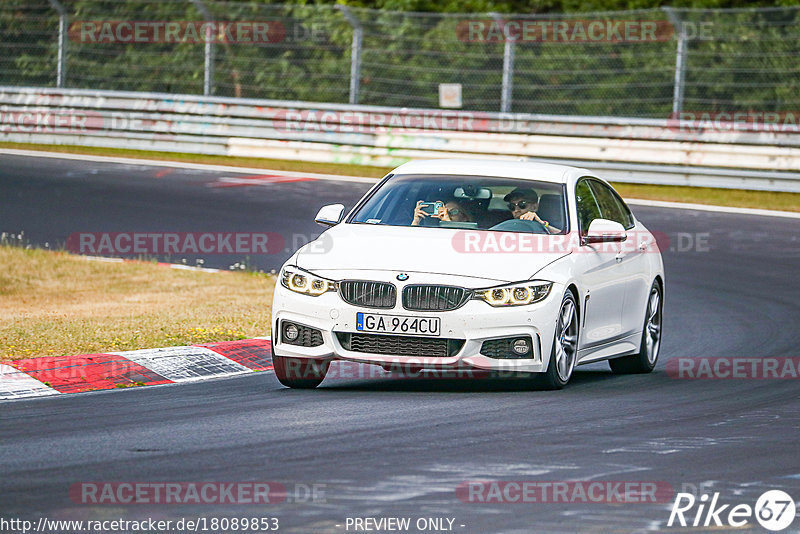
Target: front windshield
[469, 202]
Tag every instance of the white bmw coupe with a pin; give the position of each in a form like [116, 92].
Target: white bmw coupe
[525, 268]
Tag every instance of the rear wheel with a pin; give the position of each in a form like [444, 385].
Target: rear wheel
[564, 354]
[303, 373]
[645, 360]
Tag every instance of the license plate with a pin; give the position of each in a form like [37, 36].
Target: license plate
[397, 324]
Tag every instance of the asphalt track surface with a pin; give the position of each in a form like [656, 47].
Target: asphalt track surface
[399, 448]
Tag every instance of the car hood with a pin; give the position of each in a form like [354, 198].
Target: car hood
[354, 247]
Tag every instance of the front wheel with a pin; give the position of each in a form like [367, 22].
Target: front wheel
[564, 354]
[645, 360]
[302, 373]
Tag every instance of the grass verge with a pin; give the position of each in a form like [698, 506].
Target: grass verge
[55, 303]
[739, 198]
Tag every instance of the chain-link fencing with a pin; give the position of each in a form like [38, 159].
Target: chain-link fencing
[644, 63]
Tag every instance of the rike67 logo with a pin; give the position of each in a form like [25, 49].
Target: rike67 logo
[774, 510]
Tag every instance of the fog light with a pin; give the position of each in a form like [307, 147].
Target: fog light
[521, 346]
[290, 332]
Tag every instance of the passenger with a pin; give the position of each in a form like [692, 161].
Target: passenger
[523, 204]
[453, 210]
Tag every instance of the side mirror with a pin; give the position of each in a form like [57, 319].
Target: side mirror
[604, 231]
[330, 215]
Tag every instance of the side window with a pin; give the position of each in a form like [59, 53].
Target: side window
[611, 206]
[626, 211]
[588, 209]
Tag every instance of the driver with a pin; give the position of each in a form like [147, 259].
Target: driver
[453, 210]
[523, 204]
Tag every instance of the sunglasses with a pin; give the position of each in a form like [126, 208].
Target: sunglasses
[453, 212]
[522, 204]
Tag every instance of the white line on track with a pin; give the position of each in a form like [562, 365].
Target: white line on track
[357, 179]
[179, 266]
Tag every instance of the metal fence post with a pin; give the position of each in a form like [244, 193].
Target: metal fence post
[63, 28]
[355, 55]
[681, 57]
[208, 53]
[508, 68]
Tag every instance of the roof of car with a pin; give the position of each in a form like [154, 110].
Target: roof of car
[485, 167]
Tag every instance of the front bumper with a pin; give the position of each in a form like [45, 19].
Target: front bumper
[475, 322]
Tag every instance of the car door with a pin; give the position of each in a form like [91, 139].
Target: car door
[601, 276]
[631, 258]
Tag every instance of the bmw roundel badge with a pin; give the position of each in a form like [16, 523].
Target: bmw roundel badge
[402, 277]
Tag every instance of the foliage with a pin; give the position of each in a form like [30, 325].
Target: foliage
[746, 60]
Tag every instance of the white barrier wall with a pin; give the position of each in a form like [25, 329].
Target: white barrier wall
[660, 151]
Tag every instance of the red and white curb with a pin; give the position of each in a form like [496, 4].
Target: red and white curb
[37, 377]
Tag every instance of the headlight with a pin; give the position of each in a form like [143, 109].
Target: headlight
[515, 294]
[301, 281]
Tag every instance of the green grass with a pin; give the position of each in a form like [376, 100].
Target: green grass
[740, 198]
[56, 303]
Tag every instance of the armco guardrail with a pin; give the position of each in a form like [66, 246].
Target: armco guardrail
[658, 151]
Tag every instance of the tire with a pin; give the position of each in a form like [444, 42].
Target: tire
[564, 354]
[300, 373]
[645, 360]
